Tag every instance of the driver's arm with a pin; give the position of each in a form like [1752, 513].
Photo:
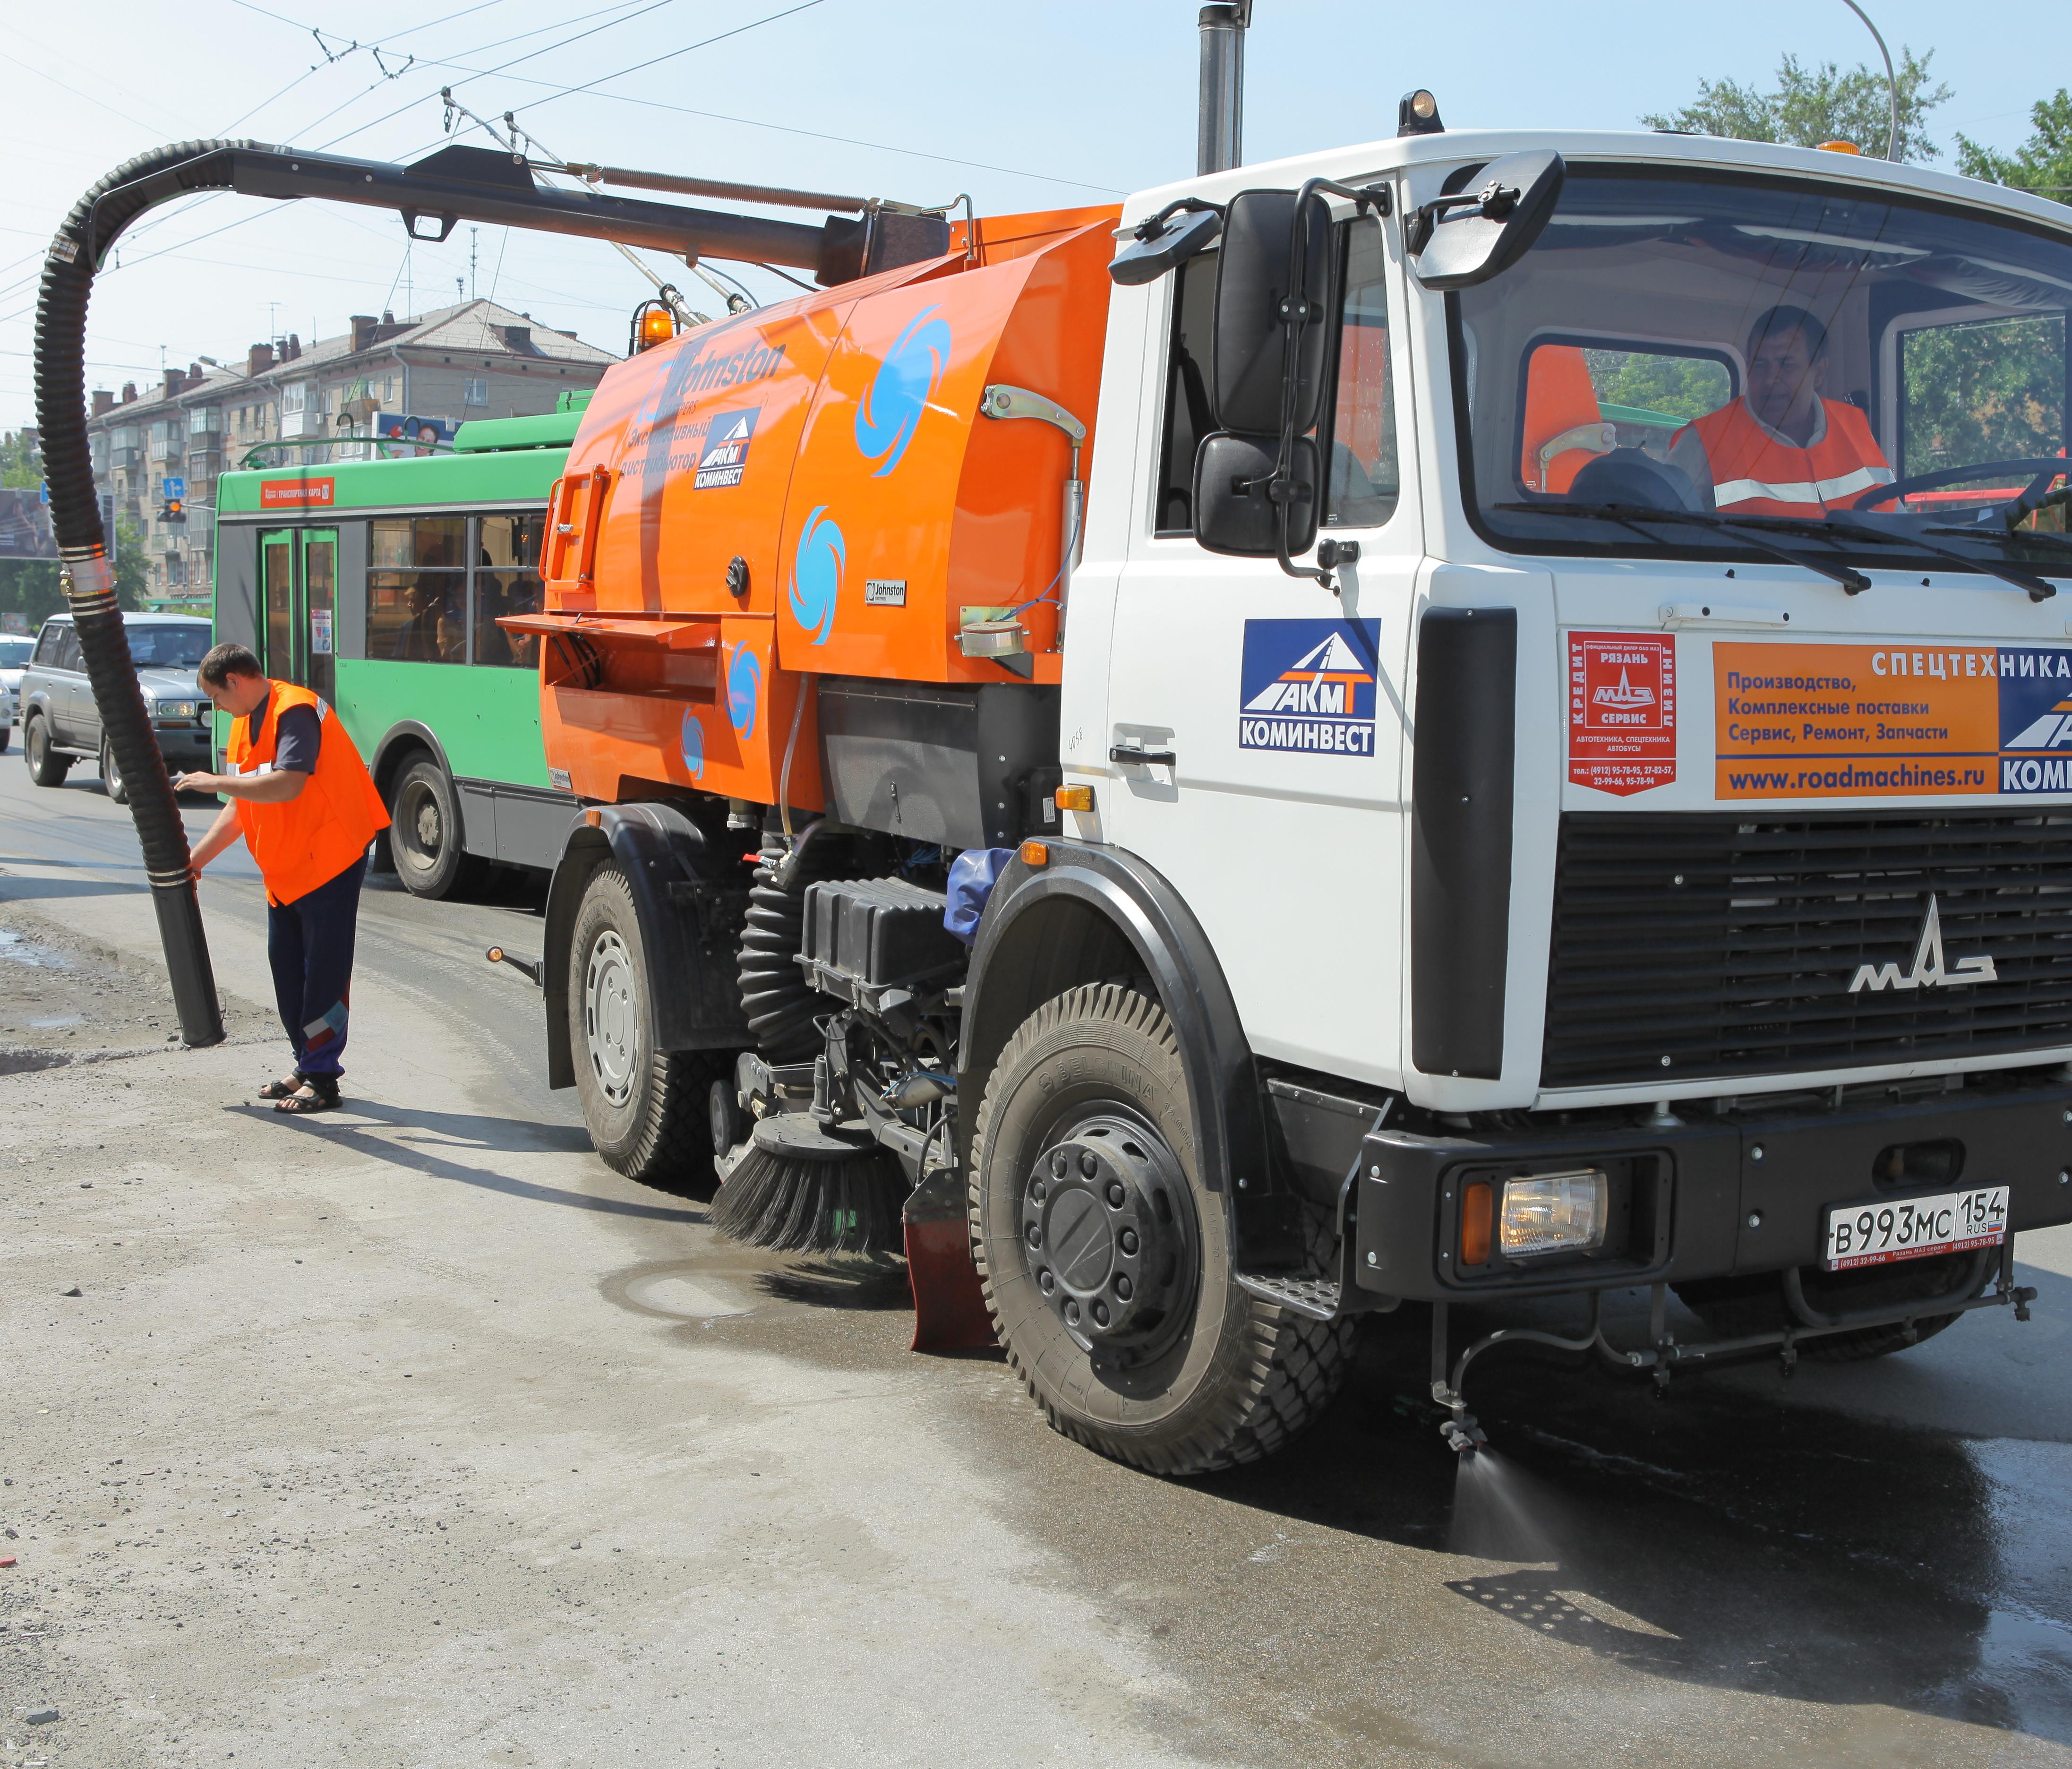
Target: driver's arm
[1688, 452]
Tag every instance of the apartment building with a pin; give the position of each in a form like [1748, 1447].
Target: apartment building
[328, 400]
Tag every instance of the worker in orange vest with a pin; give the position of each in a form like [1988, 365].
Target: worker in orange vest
[300, 797]
[1782, 448]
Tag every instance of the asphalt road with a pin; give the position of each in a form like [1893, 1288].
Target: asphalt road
[458, 1449]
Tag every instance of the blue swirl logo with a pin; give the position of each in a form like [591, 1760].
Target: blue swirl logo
[907, 380]
[744, 689]
[816, 573]
[693, 741]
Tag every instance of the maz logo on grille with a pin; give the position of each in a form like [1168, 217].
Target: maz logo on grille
[1928, 972]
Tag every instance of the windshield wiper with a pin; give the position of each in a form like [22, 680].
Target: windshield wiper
[2044, 537]
[2039, 588]
[1633, 514]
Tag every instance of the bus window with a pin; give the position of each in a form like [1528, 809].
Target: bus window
[507, 582]
[417, 590]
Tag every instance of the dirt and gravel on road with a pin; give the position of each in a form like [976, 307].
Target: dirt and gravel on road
[67, 998]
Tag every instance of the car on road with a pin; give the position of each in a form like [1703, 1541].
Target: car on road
[15, 650]
[61, 723]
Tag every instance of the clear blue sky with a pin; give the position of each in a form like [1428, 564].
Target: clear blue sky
[1028, 106]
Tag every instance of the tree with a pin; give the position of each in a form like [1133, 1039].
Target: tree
[2043, 163]
[1821, 103]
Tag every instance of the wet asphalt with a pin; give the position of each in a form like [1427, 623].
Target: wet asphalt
[1851, 1567]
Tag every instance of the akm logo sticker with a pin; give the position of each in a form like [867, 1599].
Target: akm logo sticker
[816, 573]
[1308, 686]
[907, 380]
[725, 456]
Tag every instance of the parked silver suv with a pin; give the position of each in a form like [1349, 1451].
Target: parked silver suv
[61, 723]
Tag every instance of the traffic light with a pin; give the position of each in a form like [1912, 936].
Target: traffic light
[173, 510]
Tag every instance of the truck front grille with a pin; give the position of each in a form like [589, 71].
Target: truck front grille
[1692, 946]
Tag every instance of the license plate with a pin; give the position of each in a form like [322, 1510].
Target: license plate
[1956, 1222]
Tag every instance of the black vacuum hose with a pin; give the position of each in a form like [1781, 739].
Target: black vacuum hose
[96, 222]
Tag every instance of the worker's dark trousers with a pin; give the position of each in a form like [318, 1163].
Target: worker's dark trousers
[309, 943]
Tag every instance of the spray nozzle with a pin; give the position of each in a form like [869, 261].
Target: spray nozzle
[1463, 1436]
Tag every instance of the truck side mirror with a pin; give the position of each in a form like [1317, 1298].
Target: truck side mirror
[1256, 484]
[1235, 508]
[1248, 346]
[1176, 233]
[1468, 236]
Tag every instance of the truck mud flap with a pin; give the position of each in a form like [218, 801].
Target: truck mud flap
[950, 1312]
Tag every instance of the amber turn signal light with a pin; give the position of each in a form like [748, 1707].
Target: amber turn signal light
[1477, 1214]
[1075, 798]
[1038, 853]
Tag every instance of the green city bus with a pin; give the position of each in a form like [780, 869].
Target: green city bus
[378, 583]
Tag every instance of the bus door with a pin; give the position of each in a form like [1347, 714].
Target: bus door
[276, 604]
[298, 595]
[319, 610]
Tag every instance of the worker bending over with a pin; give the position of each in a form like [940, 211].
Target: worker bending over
[300, 797]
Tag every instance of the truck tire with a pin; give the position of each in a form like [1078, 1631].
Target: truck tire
[111, 775]
[646, 1109]
[1735, 1305]
[47, 767]
[425, 834]
[1106, 1263]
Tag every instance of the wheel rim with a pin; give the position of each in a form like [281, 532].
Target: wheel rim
[1109, 1237]
[611, 1016]
[422, 830]
[111, 775]
[33, 746]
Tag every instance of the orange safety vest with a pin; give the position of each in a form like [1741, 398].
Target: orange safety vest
[309, 840]
[1755, 472]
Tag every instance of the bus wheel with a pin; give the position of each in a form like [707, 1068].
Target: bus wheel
[1106, 1262]
[47, 767]
[424, 833]
[646, 1109]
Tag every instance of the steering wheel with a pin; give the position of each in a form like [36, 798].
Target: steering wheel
[2047, 467]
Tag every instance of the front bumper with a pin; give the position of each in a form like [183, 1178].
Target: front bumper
[185, 746]
[1740, 1192]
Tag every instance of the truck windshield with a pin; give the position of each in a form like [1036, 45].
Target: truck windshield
[168, 647]
[1858, 380]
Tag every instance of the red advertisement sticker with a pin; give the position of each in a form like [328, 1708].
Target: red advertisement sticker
[1622, 711]
[302, 493]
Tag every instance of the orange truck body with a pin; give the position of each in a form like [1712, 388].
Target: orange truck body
[830, 452]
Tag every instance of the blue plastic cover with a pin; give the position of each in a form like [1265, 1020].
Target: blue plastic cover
[972, 875]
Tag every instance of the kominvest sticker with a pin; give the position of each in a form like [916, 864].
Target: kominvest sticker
[1309, 686]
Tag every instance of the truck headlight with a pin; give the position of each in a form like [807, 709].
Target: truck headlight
[176, 708]
[1554, 1213]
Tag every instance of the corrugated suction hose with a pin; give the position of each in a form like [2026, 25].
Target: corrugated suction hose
[96, 222]
[779, 1002]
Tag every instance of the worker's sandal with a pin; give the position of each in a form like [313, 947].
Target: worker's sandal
[318, 1093]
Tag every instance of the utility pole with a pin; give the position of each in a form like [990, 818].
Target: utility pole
[473, 245]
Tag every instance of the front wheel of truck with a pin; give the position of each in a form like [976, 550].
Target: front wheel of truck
[1106, 1262]
[645, 1108]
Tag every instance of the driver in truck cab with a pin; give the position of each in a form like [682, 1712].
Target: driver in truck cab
[1782, 449]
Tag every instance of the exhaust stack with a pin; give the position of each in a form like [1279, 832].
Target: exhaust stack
[1219, 131]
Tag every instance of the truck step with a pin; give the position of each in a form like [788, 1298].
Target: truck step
[1317, 1298]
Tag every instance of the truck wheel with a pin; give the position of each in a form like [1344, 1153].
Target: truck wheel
[423, 834]
[1735, 1305]
[646, 1109]
[111, 775]
[1106, 1264]
[47, 767]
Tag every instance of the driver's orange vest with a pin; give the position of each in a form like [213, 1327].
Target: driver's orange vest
[1755, 474]
[309, 840]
